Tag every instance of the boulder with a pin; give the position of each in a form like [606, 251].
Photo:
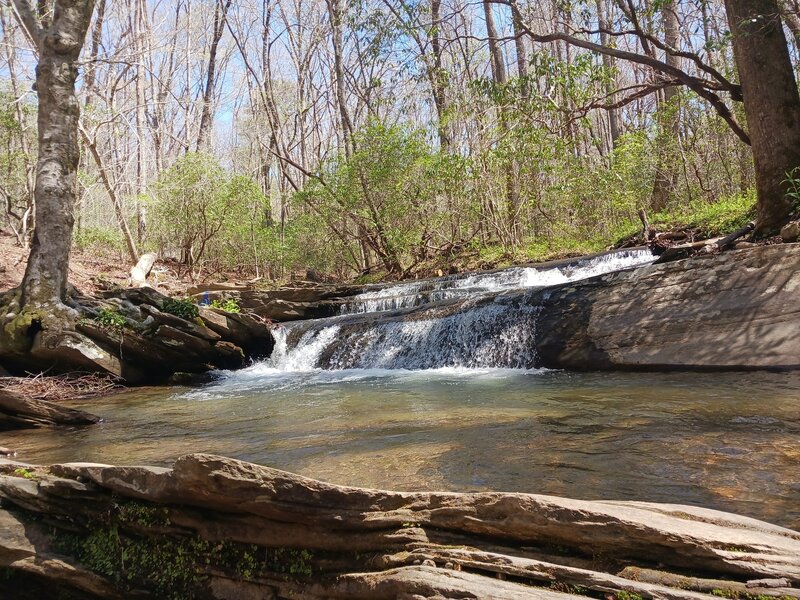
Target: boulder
[790, 232]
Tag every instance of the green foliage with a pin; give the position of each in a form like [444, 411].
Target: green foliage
[203, 213]
[110, 318]
[712, 219]
[98, 239]
[227, 304]
[792, 183]
[185, 308]
[625, 595]
[25, 473]
[139, 513]
[394, 189]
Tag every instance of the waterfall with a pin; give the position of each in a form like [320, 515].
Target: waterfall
[473, 321]
[416, 293]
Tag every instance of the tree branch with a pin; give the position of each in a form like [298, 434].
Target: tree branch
[697, 85]
[26, 16]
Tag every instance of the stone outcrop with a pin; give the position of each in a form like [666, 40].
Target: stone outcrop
[734, 310]
[221, 528]
[147, 343]
[18, 412]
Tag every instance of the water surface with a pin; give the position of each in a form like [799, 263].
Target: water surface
[727, 440]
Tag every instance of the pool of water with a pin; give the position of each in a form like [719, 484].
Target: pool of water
[727, 440]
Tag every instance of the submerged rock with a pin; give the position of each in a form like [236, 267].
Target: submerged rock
[222, 528]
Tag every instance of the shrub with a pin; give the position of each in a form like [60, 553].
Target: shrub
[228, 305]
[110, 318]
[184, 308]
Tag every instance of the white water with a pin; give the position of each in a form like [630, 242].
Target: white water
[406, 295]
[481, 332]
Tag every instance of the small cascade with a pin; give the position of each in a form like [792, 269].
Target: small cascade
[474, 321]
[417, 293]
[470, 335]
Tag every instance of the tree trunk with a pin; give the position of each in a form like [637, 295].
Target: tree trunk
[668, 119]
[439, 78]
[771, 103]
[59, 45]
[220, 15]
[608, 63]
[498, 64]
[335, 15]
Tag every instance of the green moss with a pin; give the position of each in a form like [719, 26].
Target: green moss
[171, 566]
[26, 473]
[17, 331]
[625, 595]
[146, 515]
[736, 595]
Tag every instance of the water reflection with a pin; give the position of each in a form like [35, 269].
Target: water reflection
[727, 441]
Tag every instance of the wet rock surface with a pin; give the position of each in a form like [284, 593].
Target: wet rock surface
[230, 529]
[18, 412]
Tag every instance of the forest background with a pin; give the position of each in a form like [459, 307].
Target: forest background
[369, 137]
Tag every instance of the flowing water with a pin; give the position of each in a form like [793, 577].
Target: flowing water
[725, 440]
[422, 396]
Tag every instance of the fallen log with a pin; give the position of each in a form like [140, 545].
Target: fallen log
[139, 273]
[220, 528]
[18, 412]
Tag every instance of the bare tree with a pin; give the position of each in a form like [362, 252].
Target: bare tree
[57, 32]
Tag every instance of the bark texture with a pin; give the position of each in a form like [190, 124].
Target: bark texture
[59, 45]
[771, 103]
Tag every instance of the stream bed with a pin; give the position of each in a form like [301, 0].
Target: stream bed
[729, 441]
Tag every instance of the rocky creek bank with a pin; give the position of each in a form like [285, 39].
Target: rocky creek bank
[212, 527]
[142, 336]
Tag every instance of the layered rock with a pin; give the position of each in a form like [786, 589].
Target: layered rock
[148, 344]
[220, 528]
[734, 310]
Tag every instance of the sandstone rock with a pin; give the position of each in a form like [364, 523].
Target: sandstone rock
[493, 545]
[25, 547]
[243, 330]
[790, 232]
[734, 310]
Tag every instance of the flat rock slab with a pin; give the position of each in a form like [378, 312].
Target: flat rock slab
[734, 310]
[363, 543]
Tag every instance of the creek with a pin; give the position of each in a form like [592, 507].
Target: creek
[432, 386]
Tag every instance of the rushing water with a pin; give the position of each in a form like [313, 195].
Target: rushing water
[418, 394]
[416, 293]
[484, 320]
[725, 440]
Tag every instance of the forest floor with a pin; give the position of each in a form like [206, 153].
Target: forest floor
[91, 270]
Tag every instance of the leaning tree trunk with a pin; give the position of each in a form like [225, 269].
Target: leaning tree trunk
[771, 103]
[44, 287]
